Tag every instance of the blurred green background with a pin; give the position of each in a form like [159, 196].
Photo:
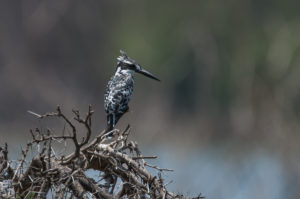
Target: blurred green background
[226, 114]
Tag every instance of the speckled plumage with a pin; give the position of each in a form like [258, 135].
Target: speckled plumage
[119, 89]
[117, 96]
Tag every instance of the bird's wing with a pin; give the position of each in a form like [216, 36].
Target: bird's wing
[117, 95]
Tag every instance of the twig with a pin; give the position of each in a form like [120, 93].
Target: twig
[156, 167]
[144, 157]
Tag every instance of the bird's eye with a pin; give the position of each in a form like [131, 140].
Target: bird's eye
[125, 65]
[131, 66]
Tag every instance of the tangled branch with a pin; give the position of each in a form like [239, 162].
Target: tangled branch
[119, 170]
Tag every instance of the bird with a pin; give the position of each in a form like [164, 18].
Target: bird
[120, 87]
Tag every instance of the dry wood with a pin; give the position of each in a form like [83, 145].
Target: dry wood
[118, 166]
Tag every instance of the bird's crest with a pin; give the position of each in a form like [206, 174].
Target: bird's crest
[123, 53]
[125, 58]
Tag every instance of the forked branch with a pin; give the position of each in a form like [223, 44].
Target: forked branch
[119, 170]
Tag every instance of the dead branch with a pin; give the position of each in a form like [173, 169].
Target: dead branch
[118, 166]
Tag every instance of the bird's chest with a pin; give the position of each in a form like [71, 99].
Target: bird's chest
[119, 92]
[122, 83]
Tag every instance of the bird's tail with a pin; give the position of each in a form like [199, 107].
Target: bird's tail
[110, 123]
[109, 127]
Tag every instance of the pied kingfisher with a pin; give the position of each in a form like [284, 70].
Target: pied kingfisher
[119, 89]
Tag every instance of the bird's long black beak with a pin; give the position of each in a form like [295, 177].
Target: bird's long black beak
[147, 74]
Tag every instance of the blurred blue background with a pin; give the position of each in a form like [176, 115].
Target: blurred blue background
[226, 114]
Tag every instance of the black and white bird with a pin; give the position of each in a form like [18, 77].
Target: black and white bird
[120, 88]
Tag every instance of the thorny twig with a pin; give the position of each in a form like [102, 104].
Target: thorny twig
[118, 162]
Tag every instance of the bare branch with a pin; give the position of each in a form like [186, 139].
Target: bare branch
[119, 167]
